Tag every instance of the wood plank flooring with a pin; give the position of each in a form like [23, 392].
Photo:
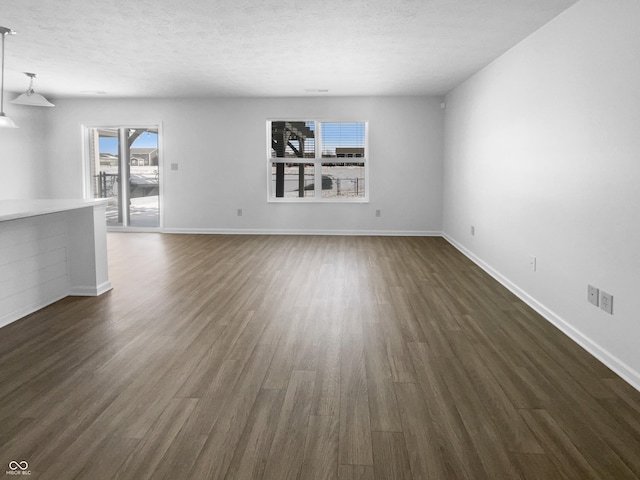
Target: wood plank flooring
[306, 357]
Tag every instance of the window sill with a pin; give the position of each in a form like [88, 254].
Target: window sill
[316, 200]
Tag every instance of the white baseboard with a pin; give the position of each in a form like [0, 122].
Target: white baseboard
[630, 375]
[218, 231]
[90, 291]
[82, 291]
[28, 309]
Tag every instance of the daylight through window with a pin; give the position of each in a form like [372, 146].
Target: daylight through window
[317, 161]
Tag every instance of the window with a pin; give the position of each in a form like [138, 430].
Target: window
[311, 160]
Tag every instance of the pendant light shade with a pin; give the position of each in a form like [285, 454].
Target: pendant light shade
[5, 122]
[30, 97]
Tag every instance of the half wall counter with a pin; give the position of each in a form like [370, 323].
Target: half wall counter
[50, 249]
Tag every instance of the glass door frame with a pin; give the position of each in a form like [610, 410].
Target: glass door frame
[124, 172]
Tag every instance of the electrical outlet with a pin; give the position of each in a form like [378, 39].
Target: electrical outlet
[239, 212]
[378, 213]
[593, 295]
[473, 230]
[174, 166]
[532, 263]
[606, 302]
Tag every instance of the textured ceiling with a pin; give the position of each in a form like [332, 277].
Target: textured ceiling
[179, 48]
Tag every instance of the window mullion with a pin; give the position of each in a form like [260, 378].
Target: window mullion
[318, 161]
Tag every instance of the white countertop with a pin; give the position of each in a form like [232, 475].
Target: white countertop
[18, 208]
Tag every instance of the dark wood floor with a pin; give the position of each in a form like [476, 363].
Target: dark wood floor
[273, 357]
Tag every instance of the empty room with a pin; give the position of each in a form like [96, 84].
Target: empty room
[335, 240]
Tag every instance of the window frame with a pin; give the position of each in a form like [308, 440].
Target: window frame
[317, 161]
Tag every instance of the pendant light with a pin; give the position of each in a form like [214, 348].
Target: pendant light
[5, 121]
[30, 97]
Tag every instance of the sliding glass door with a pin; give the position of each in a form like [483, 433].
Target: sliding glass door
[125, 168]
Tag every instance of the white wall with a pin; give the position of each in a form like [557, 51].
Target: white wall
[542, 155]
[23, 156]
[220, 147]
